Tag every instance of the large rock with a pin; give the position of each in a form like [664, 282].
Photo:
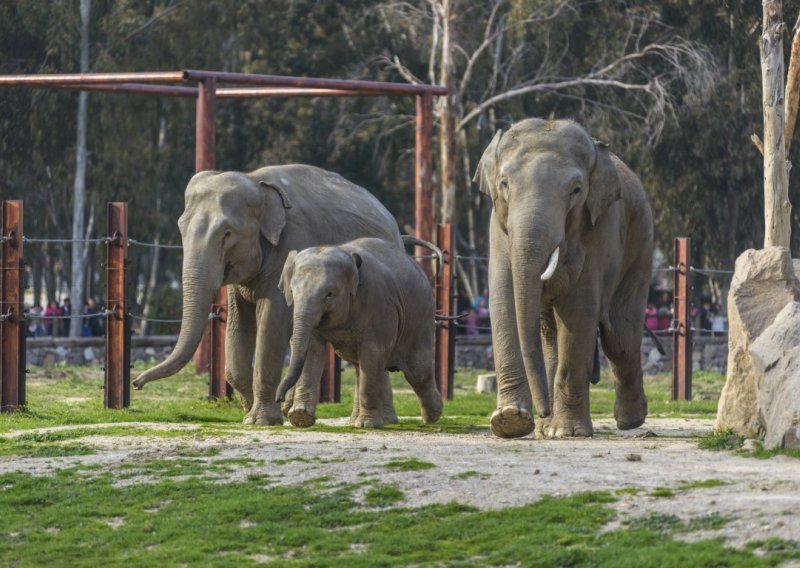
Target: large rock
[764, 282]
[776, 358]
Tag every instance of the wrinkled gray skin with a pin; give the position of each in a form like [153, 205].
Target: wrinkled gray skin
[373, 303]
[553, 187]
[237, 229]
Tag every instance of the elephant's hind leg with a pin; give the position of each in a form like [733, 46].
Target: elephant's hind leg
[622, 343]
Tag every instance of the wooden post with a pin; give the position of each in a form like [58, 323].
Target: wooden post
[12, 325]
[330, 387]
[777, 209]
[118, 322]
[423, 176]
[443, 289]
[682, 323]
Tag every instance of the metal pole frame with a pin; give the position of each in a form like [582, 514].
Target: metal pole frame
[330, 387]
[117, 368]
[12, 326]
[444, 288]
[423, 176]
[682, 322]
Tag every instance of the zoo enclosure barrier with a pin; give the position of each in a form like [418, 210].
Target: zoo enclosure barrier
[117, 359]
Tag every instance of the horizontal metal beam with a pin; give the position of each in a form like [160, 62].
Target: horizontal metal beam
[243, 93]
[90, 78]
[377, 87]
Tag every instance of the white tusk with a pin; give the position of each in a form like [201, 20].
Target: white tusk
[551, 265]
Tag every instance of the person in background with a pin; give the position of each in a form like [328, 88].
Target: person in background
[51, 325]
[92, 326]
[651, 317]
[66, 310]
[35, 328]
[665, 312]
[719, 322]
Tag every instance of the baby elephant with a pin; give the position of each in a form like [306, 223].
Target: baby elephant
[373, 303]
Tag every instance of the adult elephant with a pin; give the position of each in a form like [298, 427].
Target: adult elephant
[237, 229]
[571, 247]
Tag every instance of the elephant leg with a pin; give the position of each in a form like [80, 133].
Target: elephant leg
[621, 338]
[513, 417]
[356, 402]
[371, 387]
[550, 349]
[576, 320]
[240, 344]
[422, 380]
[389, 414]
[306, 392]
[272, 340]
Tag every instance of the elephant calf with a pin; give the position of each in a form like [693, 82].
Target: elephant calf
[373, 303]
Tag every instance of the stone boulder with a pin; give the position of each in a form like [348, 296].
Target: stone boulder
[776, 358]
[764, 282]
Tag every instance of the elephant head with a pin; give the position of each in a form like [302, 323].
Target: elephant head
[228, 224]
[549, 183]
[321, 283]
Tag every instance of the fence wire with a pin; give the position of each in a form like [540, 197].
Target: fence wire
[65, 241]
[154, 245]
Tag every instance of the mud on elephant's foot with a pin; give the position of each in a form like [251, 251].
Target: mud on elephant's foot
[630, 413]
[511, 422]
[562, 426]
[287, 403]
[301, 416]
[370, 421]
[264, 414]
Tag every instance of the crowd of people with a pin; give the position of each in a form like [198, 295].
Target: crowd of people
[54, 320]
[708, 319]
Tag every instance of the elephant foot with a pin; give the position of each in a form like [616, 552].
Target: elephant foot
[264, 415]
[631, 413]
[301, 416]
[570, 428]
[511, 422]
[431, 411]
[365, 421]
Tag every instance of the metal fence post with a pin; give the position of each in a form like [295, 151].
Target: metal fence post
[443, 289]
[118, 322]
[423, 176]
[12, 325]
[682, 322]
[330, 388]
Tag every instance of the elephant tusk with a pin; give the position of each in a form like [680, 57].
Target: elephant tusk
[551, 265]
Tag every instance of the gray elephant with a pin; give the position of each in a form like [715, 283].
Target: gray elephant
[373, 303]
[237, 229]
[571, 248]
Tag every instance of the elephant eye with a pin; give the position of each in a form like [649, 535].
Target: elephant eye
[576, 191]
[227, 233]
[329, 296]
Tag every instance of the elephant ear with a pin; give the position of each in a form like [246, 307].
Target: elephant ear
[357, 260]
[604, 184]
[285, 284]
[486, 173]
[273, 213]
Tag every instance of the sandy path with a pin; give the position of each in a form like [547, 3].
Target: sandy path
[760, 498]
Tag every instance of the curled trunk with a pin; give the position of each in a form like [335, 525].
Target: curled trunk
[200, 284]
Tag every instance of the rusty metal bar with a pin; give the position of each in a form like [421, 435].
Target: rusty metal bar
[90, 78]
[218, 386]
[133, 88]
[240, 93]
[12, 325]
[423, 175]
[118, 322]
[330, 387]
[444, 291]
[682, 323]
[378, 87]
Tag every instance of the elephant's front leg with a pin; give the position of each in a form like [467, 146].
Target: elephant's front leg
[240, 343]
[513, 417]
[577, 339]
[306, 393]
[371, 396]
[272, 340]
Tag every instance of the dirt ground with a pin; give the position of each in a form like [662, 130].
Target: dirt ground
[760, 498]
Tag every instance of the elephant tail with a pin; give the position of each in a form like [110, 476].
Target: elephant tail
[656, 340]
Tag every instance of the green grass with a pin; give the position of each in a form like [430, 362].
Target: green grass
[71, 519]
[662, 492]
[720, 440]
[409, 464]
[383, 496]
[702, 484]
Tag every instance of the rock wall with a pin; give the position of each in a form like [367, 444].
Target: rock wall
[709, 353]
[45, 351]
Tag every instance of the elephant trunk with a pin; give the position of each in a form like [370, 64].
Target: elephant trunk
[531, 263]
[302, 329]
[200, 284]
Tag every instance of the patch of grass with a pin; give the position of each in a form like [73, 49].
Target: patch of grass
[774, 544]
[409, 464]
[721, 440]
[712, 521]
[383, 496]
[628, 491]
[657, 522]
[702, 484]
[70, 519]
[470, 474]
[662, 492]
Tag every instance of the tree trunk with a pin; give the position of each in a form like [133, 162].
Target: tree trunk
[447, 142]
[79, 198]
[777, 209]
